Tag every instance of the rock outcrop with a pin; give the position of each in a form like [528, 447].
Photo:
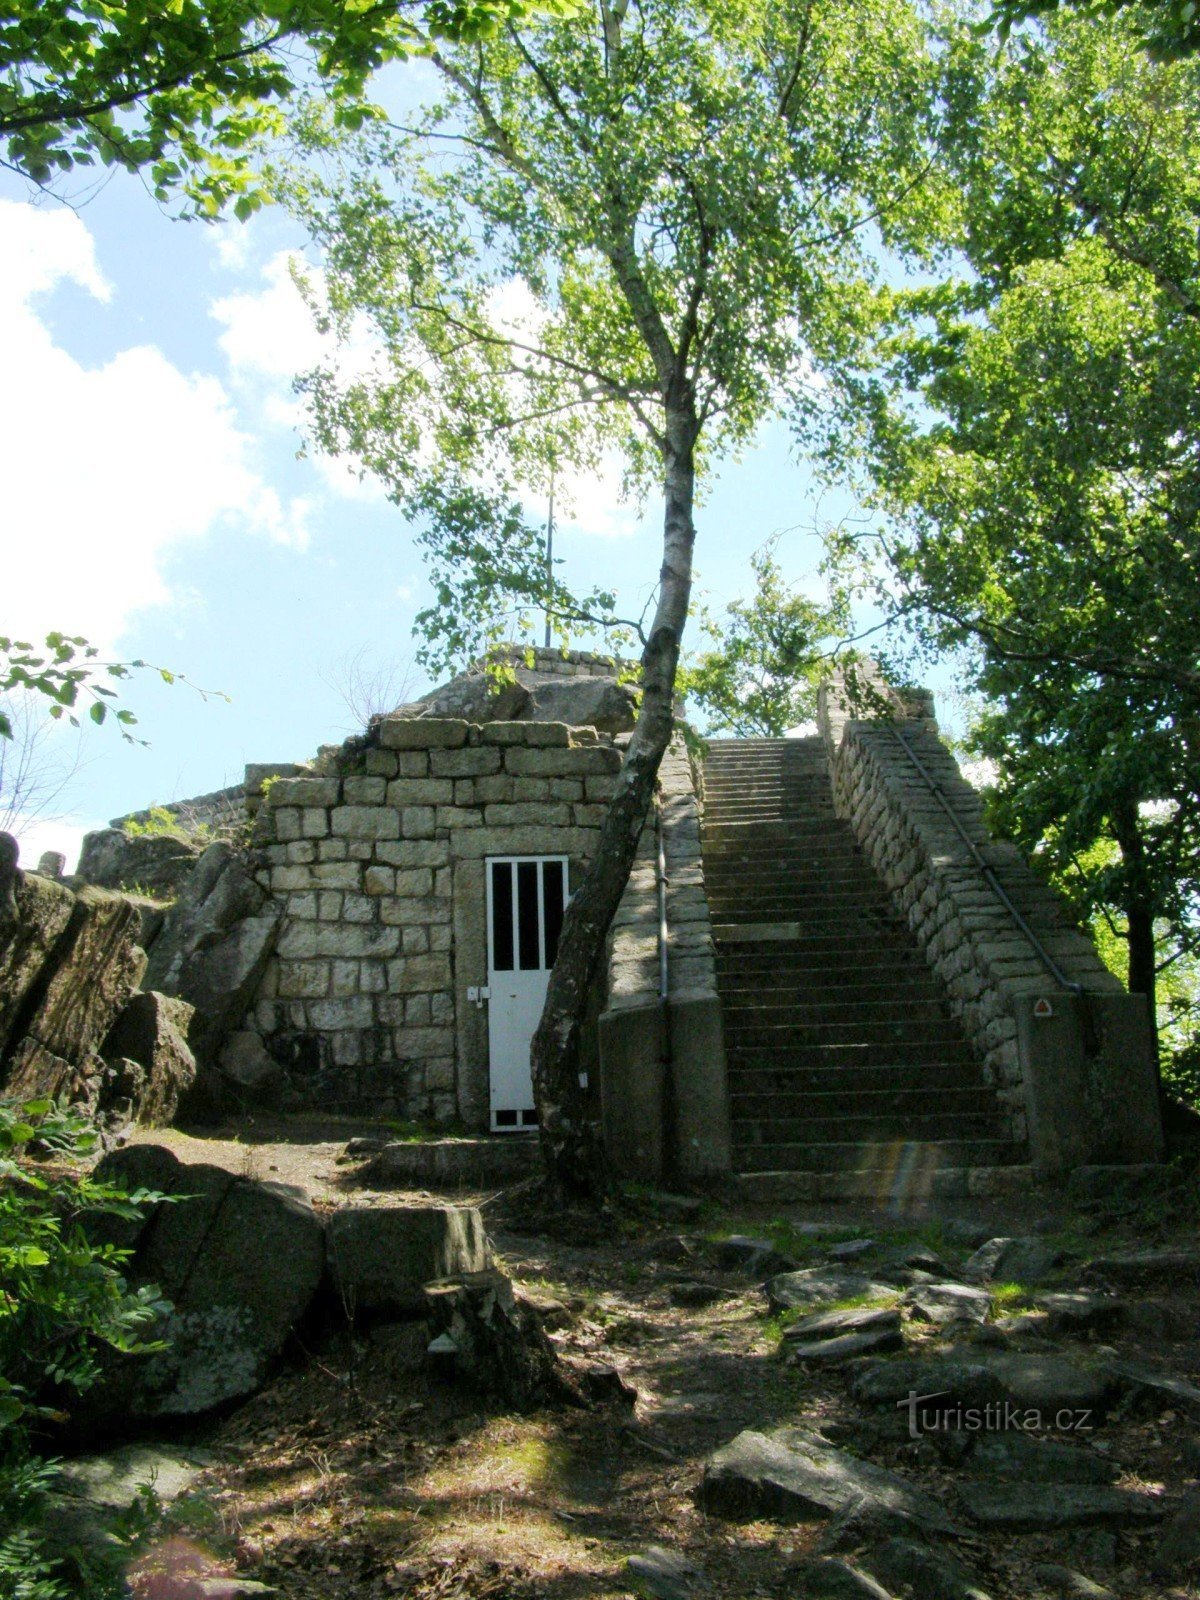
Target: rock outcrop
[211, 952]
[72, 1025]
[155, 864]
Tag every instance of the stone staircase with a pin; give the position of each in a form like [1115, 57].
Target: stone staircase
[847, 1073]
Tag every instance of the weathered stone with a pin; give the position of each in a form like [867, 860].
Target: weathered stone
[484, 1337]
[1134, 1266]
[1045, 1384]
[214, 947]
[740, 1253]
[596, 702]
[845, 1347]
[240, 1261]
[666, 1575]
[1028, 1260]
[94, 970]
[253, 1072]
[1178, 1553]
[827, 1578]
[815, 1286]
[850, 1249]
[1162, 1387]
[41, 912]
[1080, 1313]
[948, 1302]
[1032, 1459]
[790, 1475]
[381, 1257]
[915, 1570]
[1057, 1505]
[463, 1163]
[153, 863]
[152, 1030]
[115, 1478]
[305, 793]
[34, 1073]
[833, 1324]
[1064, 1583]
[422, 733]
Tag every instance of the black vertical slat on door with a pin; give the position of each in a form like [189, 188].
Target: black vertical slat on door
[552, 906]
[502, 916]
[528, 942]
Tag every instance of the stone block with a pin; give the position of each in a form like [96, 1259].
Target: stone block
[413, 852]
[381, 763]
[303, 980]
[545, 814]
[503, 733]
[370, 791]
[549, 735]
[417, 822]
[451, 818]
[413, 881]
[483, 791]
[329, 905]
[547, 763]
[589, 816]
[422, 733]
[341, 1012]
[419, 974]
[359, 908]
[380, 1257]
[379, 880]
[303, 792]
[365, 822]
[480, 763]
[420, 792]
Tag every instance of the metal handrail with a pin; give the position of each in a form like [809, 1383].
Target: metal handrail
[989, 873]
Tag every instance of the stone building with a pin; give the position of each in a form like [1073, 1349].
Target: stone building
[823, 969]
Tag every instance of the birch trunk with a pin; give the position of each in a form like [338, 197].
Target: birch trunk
[572, 1145]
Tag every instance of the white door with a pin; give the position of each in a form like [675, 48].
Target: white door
[525, 900]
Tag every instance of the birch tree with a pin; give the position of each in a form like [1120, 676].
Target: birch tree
[639, 232]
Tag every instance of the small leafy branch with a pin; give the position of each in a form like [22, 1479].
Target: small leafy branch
[67, 671]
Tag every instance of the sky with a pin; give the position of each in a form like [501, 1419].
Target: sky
[153, 501]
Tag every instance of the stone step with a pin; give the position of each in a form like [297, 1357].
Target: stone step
[820, 988]
[840, 1057]
[747, 1031]
[915, 1173]
[784, 1007]
[928, 1127]
[895, 1082]
[852, 1156]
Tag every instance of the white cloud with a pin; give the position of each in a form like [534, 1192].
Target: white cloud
[107, 467]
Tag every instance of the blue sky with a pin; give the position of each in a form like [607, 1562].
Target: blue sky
[153, 500]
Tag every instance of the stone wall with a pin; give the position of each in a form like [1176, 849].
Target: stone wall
[989, 967]
[377, 867]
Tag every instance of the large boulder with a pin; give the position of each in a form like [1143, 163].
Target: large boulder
[40, 910]
[239, 1260]
[580, 698]
[151, 1034]
[64, 1009]
[155, 864]
[213, 947]
[381, 1257]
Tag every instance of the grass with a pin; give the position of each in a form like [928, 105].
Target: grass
[776, 1324]
[1007, 1297]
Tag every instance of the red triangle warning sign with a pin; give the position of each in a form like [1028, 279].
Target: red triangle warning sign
[1043, 1008]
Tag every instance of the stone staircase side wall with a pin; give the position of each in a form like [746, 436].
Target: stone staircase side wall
[989, 967]
[665, 1099]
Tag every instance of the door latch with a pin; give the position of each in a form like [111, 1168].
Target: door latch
[479, 992]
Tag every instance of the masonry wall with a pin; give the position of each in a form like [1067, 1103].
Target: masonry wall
[989, 967]
[378, 864]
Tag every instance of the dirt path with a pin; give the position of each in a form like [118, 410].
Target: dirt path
[354, 1473]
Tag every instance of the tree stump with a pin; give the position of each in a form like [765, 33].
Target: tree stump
[486, 1338]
